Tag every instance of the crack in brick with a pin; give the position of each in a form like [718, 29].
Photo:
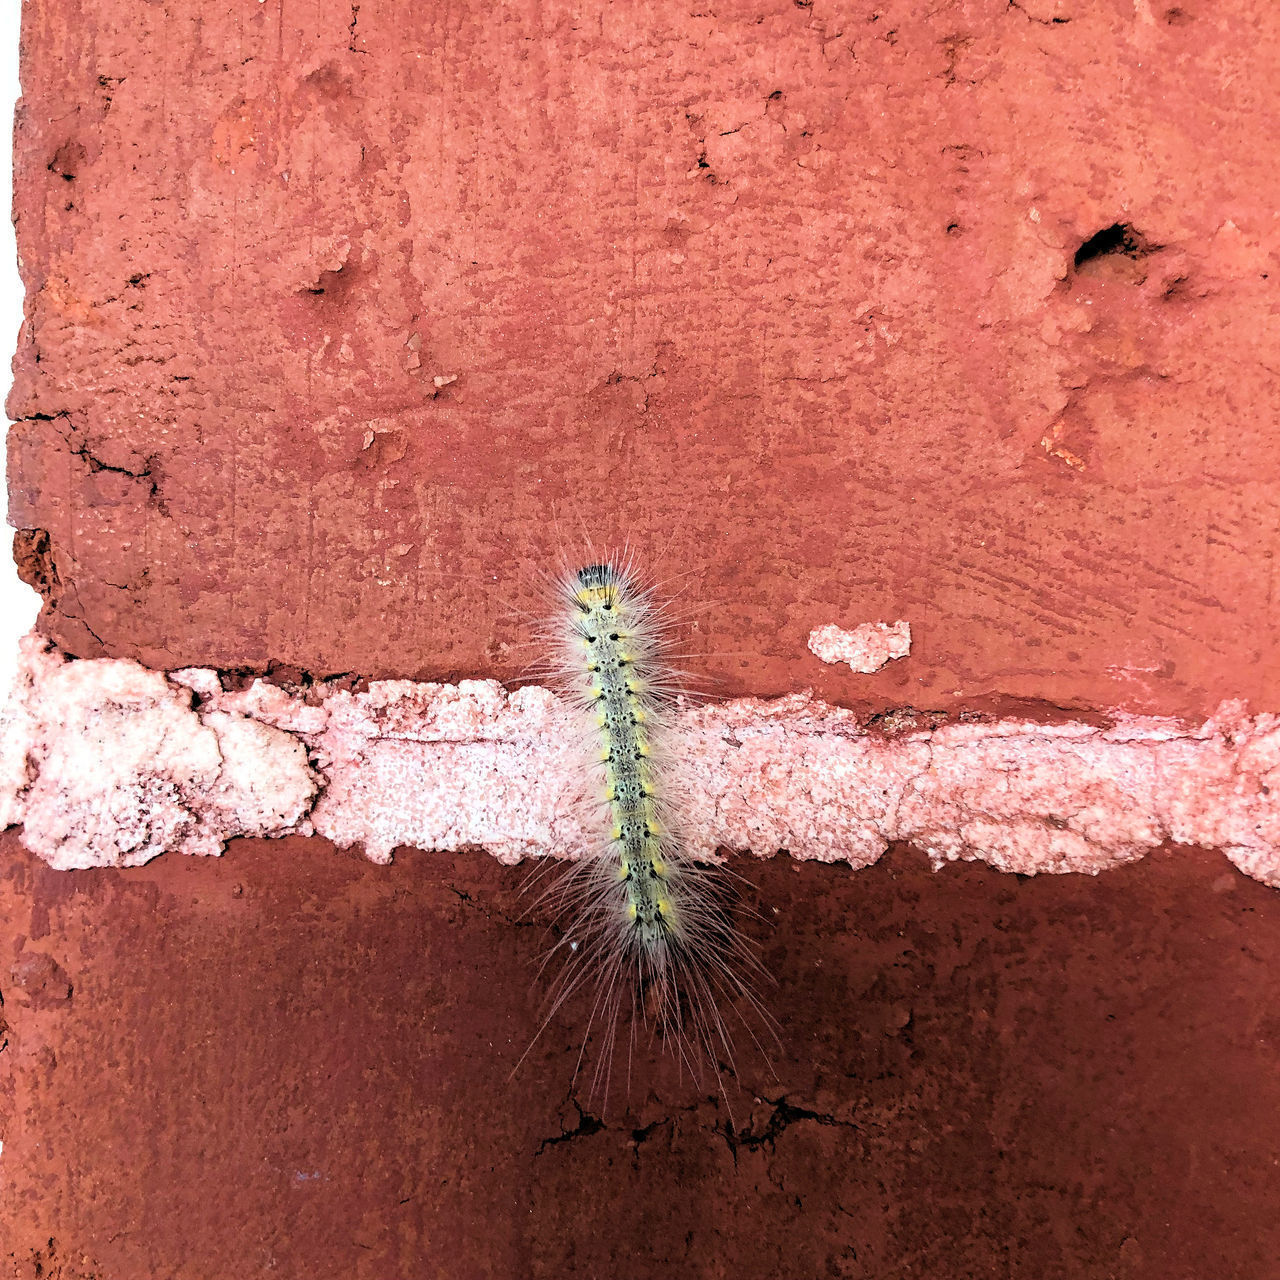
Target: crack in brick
[784, 1116]
[80, 447]
[514, 922]
[587, 1127]
[1031, 17]
[351, 31]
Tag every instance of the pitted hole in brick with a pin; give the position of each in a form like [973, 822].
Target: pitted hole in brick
[35, 561]
[1117, 251]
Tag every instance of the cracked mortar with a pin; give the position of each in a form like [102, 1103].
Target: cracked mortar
[108, 764]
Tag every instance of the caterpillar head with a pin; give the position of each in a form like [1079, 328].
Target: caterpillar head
[599, 587]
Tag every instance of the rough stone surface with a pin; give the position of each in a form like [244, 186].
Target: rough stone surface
[962, 313]
[866, 648]
[305, 1070]
[107, 763]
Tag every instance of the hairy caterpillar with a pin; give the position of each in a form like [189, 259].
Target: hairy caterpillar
[642, 919]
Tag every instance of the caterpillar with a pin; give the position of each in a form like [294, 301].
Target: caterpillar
[641, 919]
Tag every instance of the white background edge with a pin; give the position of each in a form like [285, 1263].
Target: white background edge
[18, 603]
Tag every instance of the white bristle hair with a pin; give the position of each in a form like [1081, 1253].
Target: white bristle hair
[642, 922]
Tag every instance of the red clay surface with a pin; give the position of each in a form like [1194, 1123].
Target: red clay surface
[293, 1063]
[965, 317]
